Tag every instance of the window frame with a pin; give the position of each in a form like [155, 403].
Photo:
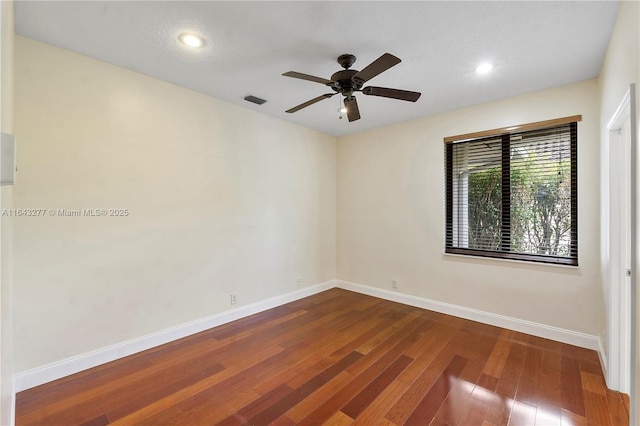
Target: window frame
[505, 134]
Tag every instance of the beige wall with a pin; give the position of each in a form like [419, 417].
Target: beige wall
[7, 66]
[621, 64]
[6, 236]
[221, 199]
[391, 216]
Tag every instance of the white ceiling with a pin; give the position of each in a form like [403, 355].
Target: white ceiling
[533, 45]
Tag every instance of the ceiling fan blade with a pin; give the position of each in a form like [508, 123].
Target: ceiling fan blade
[308, 77]
[376, 67]
[403, 95]
[311, 102]
[353, 113]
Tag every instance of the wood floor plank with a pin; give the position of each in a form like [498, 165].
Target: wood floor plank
[597, 408]
[545, 417]
[310, 372]
[319, 397]
[335, 347]
[625, 402]
[339, 419]
[203, 410]
[174, 413]
[249, 412]
[277, 336]
[278, 408]
[389, 351]
[226, 376]
[97, 421]
[388, 332]
[425, 351]
[549, 399]
[570, 381]
[362, 400]
[116, 402]
[121, 404]
[421, 384]
[500, 410]
[456, 403]
[593, 383]
[411, 327]
[528, 386]
[323, 327]
[498, 357]
[282, 421]
[256, 322]
[551, 364]
[214, 414]
[619, 415]
[427, 408]
[336, 358]
[286, 375]
[375, 412]
[201, 402]
[67, 387]
[361, 336]
[572, 419]
[510, 377]
[522, 414]
[479, 401]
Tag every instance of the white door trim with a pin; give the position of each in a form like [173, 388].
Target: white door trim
[635, 259]
[620, 324]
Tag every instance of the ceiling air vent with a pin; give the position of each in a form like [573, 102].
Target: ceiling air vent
[254, 99]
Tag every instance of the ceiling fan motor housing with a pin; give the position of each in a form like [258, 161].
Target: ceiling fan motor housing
[343, 82]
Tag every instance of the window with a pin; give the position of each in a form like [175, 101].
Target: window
[513, 193]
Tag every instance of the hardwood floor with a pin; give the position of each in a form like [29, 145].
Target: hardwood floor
[338, 358]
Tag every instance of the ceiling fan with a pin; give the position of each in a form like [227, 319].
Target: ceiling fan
[347, 82]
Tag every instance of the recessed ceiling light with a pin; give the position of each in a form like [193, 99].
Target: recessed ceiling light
[191, 40]
[484, 68]
[343, 109]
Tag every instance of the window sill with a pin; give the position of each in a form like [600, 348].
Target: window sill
[516, 261]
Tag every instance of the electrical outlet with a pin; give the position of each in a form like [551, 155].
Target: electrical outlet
[394, 283]
[298, 281]
[234, 298]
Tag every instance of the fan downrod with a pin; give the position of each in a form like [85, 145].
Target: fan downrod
[346, 60]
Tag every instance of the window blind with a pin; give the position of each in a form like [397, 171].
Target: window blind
[514, 195]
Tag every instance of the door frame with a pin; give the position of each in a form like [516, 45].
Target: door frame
[621, 314]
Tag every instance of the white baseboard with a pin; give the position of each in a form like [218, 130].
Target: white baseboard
[12, 413]
[57, 370]
[541, 330]
[602, 356]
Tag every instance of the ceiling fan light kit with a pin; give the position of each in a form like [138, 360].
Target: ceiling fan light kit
[348, 81]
